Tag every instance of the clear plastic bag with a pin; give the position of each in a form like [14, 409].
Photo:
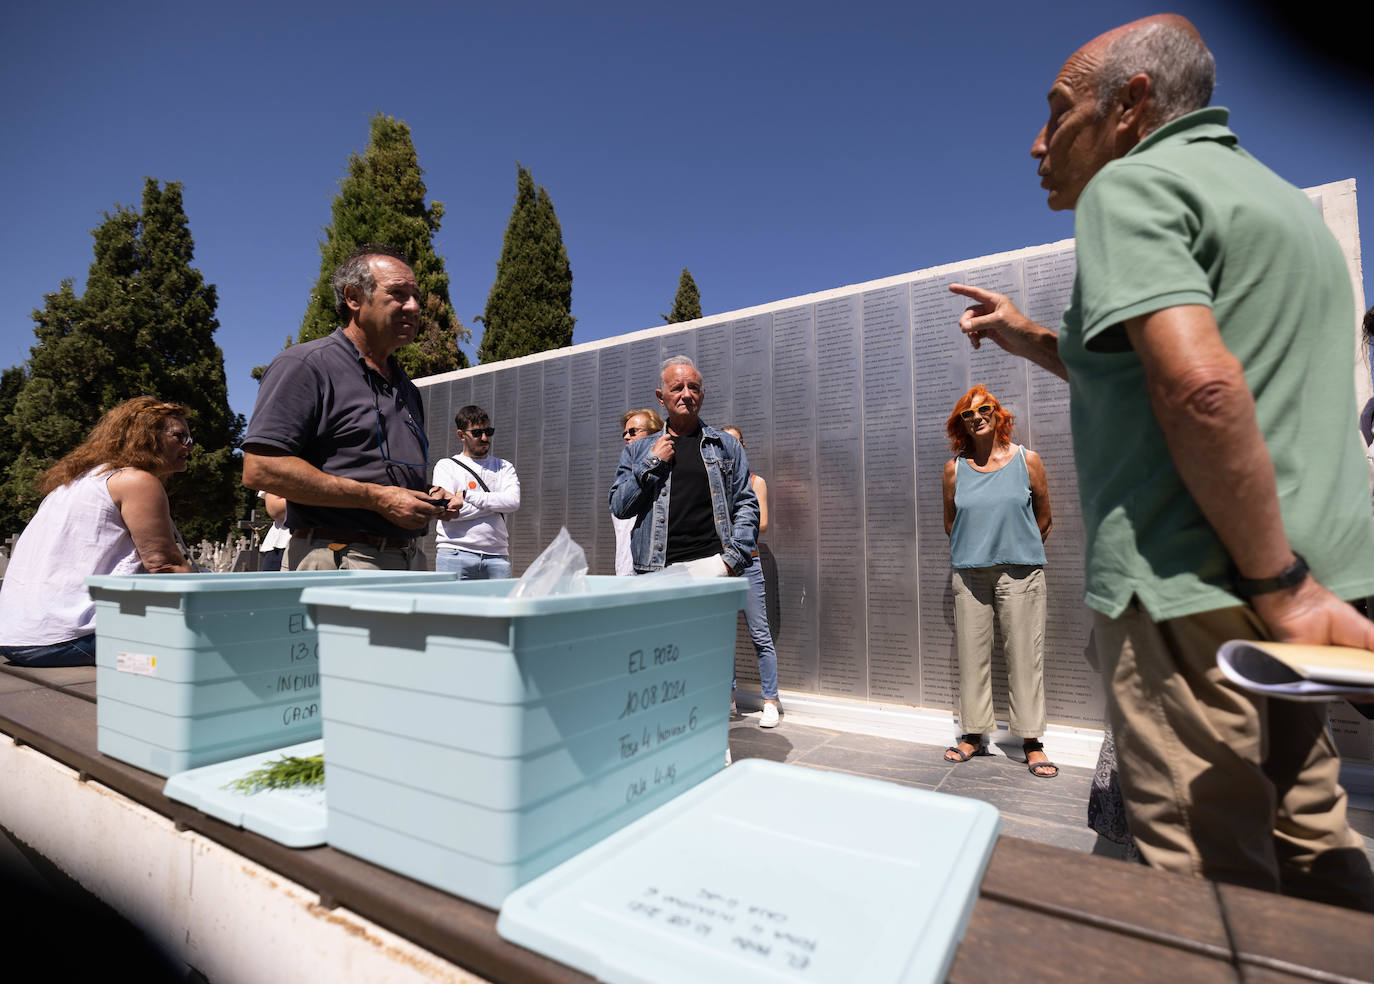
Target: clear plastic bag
[561, 569]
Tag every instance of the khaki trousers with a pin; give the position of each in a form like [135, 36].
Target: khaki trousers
[1015, 595]
[1221, 783]
[315, 555]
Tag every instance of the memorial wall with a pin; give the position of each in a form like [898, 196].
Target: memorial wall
[842, 397]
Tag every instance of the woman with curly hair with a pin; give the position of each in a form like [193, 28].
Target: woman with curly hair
[104, 512]
[997, 515]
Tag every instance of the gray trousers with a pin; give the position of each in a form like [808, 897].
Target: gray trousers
[1014, 595]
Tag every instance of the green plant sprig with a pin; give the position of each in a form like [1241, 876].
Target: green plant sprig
[287, 772]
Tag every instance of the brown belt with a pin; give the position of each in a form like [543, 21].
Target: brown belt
[352, 536]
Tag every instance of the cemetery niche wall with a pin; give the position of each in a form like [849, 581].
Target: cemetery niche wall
[842, 397]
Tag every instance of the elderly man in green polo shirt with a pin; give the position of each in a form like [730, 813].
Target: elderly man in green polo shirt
[1207, 348]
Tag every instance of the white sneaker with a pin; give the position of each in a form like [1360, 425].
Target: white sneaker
[770, 715]
[727, 755]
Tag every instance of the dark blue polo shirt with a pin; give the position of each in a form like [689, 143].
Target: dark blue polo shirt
[321, 402]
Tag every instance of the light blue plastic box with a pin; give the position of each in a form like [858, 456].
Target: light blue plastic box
[193, 669]
[474, 741]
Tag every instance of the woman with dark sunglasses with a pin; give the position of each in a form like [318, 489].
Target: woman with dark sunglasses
[634, 424]
[997, 515]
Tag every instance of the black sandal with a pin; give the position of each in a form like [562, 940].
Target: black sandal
[978, 749]
[1035, 745]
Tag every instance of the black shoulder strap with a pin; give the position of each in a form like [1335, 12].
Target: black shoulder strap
[459, 462]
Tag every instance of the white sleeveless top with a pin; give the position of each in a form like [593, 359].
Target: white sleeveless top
[76, 532]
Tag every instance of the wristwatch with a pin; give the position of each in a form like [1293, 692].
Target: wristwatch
[1248, 587]
[653, 461]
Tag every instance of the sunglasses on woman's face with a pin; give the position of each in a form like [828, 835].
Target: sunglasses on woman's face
[982, 411]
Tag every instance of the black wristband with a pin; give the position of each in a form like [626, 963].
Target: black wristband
[1248, 587]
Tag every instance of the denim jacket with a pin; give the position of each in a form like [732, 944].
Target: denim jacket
[643, 495]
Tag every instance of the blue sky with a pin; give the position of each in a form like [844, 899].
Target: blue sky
[774, 149]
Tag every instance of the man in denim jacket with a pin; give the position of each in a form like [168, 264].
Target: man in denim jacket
[687, 487]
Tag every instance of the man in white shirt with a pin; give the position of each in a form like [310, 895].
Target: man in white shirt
[477, 543]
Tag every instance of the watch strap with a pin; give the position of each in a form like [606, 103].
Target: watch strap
[1249, 587]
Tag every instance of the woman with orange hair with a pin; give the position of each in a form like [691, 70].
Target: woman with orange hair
[997, 515]
[104, 512]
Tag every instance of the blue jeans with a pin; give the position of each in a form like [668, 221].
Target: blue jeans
[756, 617]
[73, 652]
[471, 566]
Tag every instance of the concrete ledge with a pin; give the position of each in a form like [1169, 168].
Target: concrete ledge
[215, 910]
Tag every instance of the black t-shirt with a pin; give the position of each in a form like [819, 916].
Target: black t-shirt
[320, 401]
[691, 520]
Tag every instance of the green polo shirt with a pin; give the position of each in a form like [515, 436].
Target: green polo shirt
[1188, 217]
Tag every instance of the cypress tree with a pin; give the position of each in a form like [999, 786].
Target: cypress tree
[687, 303]
[145, 325]
[529, 308]
[382, 200]
[11, 382]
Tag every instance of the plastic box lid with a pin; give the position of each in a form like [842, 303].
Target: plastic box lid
[294, 817]
[487, 599]
[249, 580]
[767, 872]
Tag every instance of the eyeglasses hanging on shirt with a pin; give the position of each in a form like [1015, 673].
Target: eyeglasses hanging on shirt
[393, 464]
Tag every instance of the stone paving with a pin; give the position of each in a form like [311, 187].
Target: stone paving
[1050, 811]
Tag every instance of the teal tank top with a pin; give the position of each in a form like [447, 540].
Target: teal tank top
[993, 519]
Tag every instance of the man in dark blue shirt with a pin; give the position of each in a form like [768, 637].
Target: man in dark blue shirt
[338, 428]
